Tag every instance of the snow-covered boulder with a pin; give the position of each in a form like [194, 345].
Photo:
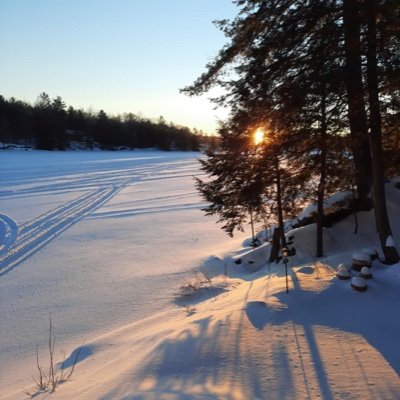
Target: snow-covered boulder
[371, 251]
[359, 260]
[358, 283]
[343, 272]
[331, 205]
[365, 273]
[254, 259]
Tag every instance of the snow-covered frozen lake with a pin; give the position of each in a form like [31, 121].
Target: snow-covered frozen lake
[97, 239]
[103, 241]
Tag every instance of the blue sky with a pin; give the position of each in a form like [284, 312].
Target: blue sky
[116, 55]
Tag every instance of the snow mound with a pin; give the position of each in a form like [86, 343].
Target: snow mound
[331, 205]
[245, 344]
[361, 256]
[240, 335]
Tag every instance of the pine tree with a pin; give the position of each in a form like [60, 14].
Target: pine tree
[355, 99]
[59, 119]
[275, 50]
[43, 122]
[381, 215]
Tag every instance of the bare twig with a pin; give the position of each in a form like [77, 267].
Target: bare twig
[45, 382]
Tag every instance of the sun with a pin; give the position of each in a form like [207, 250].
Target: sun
[258, 136]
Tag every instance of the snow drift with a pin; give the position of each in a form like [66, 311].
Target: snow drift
[240, 337]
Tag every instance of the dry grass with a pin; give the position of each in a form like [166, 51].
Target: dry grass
[47, 379]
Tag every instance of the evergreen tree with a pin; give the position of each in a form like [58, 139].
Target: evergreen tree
[355, 99]
[278, 92]
[274, 47]
[43, 122]
[50, 125]
[381, 216]
[59, 119]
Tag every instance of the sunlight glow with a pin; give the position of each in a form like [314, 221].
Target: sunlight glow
[258, 137]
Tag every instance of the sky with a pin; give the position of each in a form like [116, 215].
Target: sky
[116, 55]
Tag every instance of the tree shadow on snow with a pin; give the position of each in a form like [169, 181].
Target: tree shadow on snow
[220, 358]
[212, 359]
[349, 313]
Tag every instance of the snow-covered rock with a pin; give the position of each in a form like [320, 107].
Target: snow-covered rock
[358, 283]
[373, 253]
[359, 260]
[331, 205]
[254, 259]
[343, 272]
[365, 273]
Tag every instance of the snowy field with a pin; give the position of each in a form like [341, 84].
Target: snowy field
[99, 239]
[103, 241]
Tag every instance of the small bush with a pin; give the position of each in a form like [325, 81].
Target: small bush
[47, 379]
[199, 284]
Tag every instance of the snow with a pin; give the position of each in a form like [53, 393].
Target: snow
[104, 241]
[358, 282]
[390, 241]
[365, 273]
[371, 251]
[331, 204]
[362, 257]
[343, 272]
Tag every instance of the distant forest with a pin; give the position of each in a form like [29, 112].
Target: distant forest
[49, 124]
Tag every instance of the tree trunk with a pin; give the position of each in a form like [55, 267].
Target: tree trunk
[274, 254]
[253, 236]
[322, 177]
[381, 215]
[279, 204]
[356, 104]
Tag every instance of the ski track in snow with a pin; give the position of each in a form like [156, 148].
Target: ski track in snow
[8, 232]
[19, 243]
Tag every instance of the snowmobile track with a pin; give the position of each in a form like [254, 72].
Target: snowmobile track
[35, 234]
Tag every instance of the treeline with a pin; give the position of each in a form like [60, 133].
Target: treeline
[322, 80]
[49, 124]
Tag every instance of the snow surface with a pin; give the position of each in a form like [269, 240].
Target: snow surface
[103, 241]
[331, 204]
[390, 241]
[362, 256]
